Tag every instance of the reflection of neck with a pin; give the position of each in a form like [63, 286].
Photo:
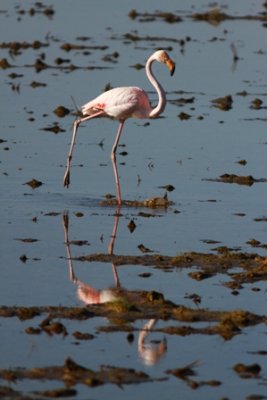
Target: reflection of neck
[112, 244]
[150, 353]
[144, 332]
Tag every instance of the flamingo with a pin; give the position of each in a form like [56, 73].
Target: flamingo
[122, 103]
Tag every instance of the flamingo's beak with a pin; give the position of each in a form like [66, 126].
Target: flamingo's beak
[171, 65]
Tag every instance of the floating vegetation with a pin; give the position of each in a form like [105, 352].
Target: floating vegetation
[184, 116]
[71, 46]
[215, 16]
[55, 128]
[15, 48]
[35, 84]
[34, 183]
[153, 202]
[155, 16]
[223, 103]
[136, 38]
[4, 64]
[248, 180]
[256, 104]
[40, 65]
[71, 374]
[38, 8]
[61, 111]
[142, 305]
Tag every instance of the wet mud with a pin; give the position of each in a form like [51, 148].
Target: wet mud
[253, 265]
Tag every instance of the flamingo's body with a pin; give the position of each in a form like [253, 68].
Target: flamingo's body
[122, 103]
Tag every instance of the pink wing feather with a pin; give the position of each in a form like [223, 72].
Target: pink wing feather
[120, 103]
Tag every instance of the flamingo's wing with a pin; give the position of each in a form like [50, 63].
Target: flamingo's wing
[120, 103]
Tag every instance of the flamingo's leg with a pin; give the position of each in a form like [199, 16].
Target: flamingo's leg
[76, 124]
[114, 163]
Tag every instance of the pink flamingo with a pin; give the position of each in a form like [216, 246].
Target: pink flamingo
[122, 103]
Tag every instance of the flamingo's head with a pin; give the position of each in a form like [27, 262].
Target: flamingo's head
[163, 57]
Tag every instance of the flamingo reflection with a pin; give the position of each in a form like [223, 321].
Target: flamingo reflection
[150, 352]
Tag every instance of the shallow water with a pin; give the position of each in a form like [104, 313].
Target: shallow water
[188, 154]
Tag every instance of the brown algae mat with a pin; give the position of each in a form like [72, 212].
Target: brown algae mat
[130, 306]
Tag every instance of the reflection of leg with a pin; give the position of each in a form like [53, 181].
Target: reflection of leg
[111, 245]
[86, 293]
[67, 243]
[114, 163]
[145, 331]
[116, 276]
[114, 231]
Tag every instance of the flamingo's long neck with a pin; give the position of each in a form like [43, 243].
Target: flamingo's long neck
[160, 91]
